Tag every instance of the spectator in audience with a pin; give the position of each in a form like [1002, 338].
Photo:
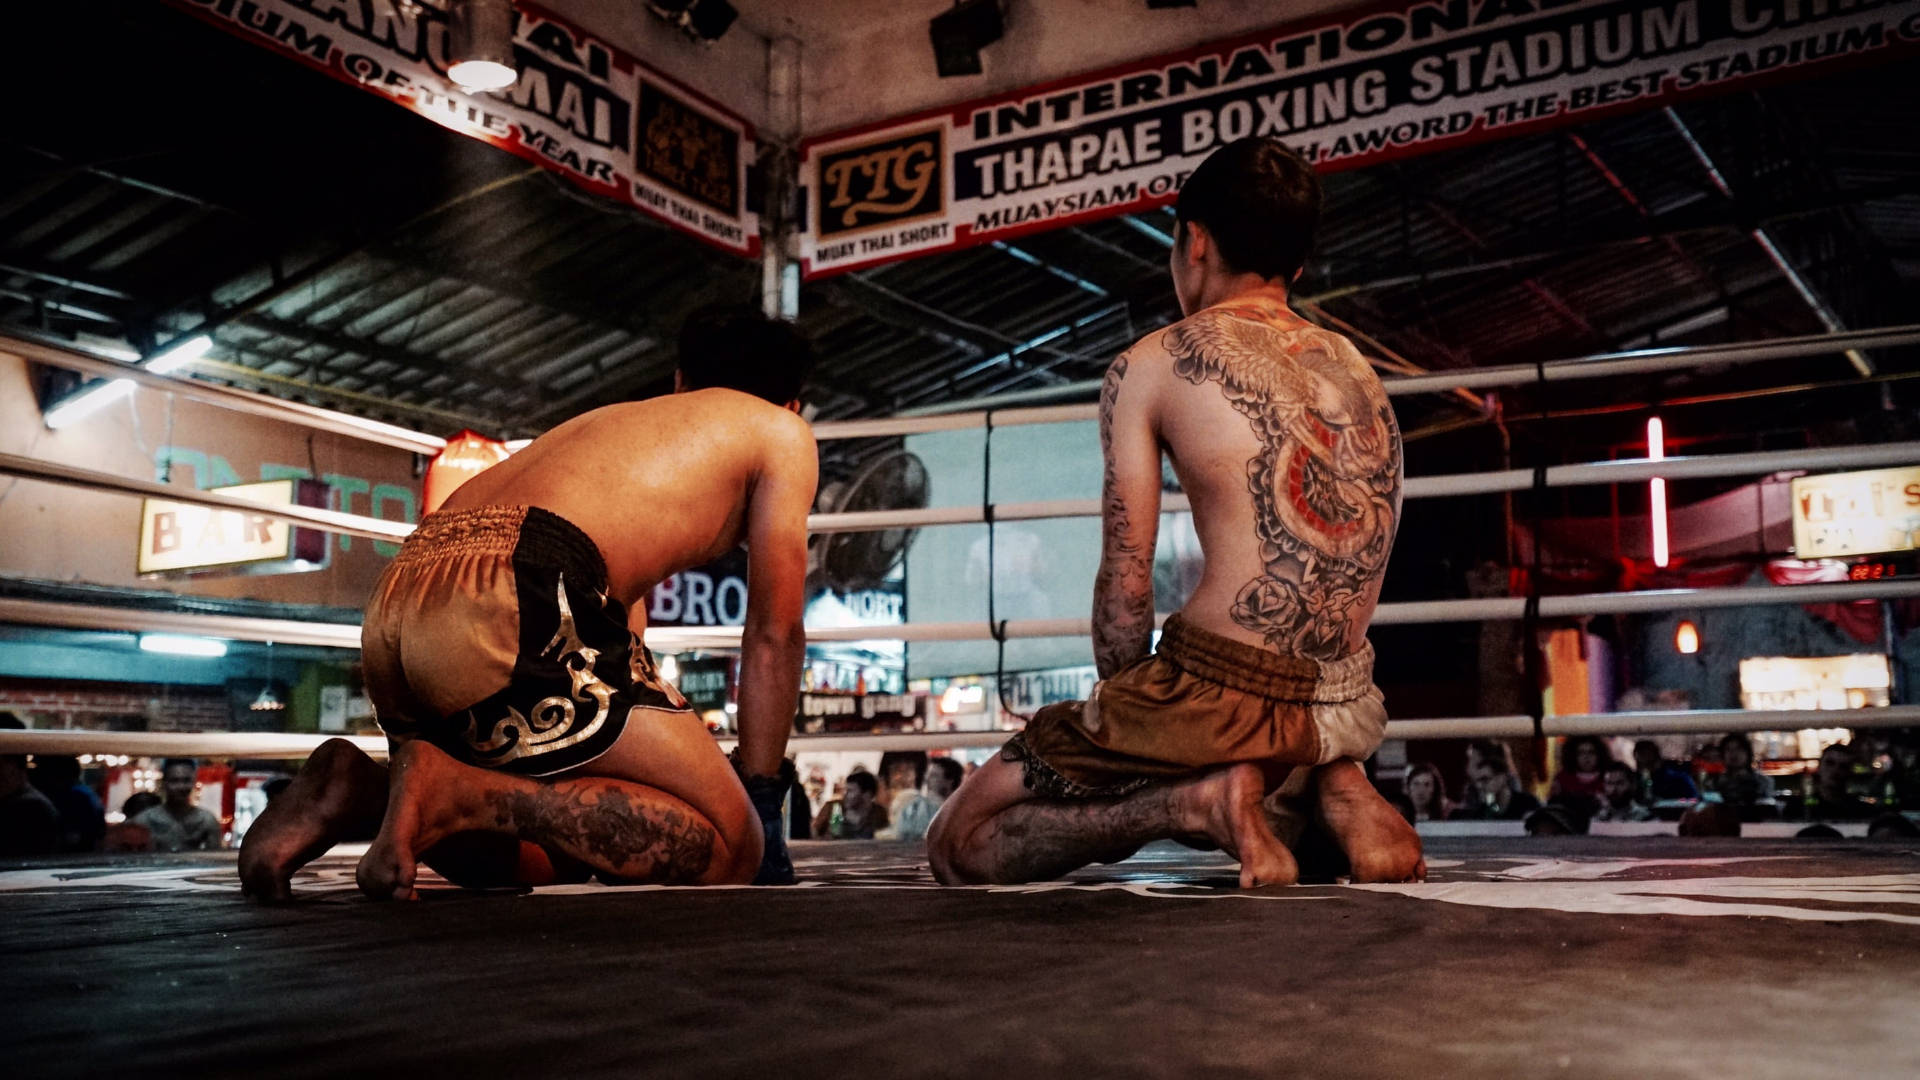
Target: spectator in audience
[82, 820]
[138, 803]
[1426, 793]
[856, 814]
[177, 824]
[29, 822]
[901, 774]
[912, 809]
[1583, 763]
[1830, 798]
[1618, 802]
[1493, 791]
[943, 777]
[1742, 786]
[1660, 780]
[126, 836]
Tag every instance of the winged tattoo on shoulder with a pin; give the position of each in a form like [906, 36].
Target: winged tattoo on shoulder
[1325, 482]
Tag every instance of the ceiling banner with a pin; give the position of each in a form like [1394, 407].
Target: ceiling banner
[580, 107]
[1377, 84]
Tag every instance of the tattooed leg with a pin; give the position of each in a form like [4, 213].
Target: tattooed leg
[1027, 839]
[622, 830]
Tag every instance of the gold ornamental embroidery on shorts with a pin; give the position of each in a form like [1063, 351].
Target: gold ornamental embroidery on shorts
[551, 727]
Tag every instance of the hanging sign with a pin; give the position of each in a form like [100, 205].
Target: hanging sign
[1856, 513]
[580, 107]
[1369, 86]
[182, 538]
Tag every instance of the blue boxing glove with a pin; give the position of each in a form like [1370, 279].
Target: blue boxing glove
[768, 794]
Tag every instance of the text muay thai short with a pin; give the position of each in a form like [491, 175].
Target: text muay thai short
[491, 635]
[1201, 700]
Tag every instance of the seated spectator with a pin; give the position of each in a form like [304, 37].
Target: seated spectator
[1618, 802]
[29, 823]
[177, 824]
[1427, 793]
[1831, 798]
[855, 815]
[1583, 763]
[1661, 780]
[1493, 791]
[1741, 785]
[901, 773]
[943, 777]
[908, 808]
[126, 837]
[82, 819]
[913, 812]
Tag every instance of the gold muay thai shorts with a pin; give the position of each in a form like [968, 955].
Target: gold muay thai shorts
[491, 635]
[1202, 700]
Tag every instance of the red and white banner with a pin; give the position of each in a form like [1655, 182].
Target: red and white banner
[1372, 85]
[580, 107]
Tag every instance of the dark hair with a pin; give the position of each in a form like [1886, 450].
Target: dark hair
[1570, 752]
[737, 348]
[1260, 202]
[175, 761]
[1494, 752]
[917, 758]
[864, 781]
[955, 771]
[1618, 766]
[1422, 768]
[138, 803]
[1735, 738]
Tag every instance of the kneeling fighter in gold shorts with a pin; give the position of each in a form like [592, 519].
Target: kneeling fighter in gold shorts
[533, 738]
[1283, 439]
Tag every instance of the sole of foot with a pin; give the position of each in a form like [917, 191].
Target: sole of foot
[1379, 844]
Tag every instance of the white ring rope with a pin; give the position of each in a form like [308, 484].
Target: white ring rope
[288, 745]
[1590, 367]
[679, 638]
[273, 408]
[1557, 476]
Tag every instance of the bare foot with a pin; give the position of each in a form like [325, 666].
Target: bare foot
[1225, 805]
[339, 795]
[1379, 844]
[420, 774]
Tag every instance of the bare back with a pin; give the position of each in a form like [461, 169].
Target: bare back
[1283, 439]
[663, 484]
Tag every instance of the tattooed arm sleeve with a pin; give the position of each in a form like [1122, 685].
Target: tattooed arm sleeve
[1130, 521]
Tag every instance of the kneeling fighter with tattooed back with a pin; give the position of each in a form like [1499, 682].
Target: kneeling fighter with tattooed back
[1282, 436]
[533, 739]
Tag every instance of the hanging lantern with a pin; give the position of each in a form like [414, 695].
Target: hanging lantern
[466, 456]
[1686, 638]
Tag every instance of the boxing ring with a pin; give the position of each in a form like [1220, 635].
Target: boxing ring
[674, 639]
[1620, 953]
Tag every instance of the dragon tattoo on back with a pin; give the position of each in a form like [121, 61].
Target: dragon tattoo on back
[1325, 482]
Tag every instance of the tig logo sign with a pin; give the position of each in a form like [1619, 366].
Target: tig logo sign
[1858, 513]
[874, 185]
